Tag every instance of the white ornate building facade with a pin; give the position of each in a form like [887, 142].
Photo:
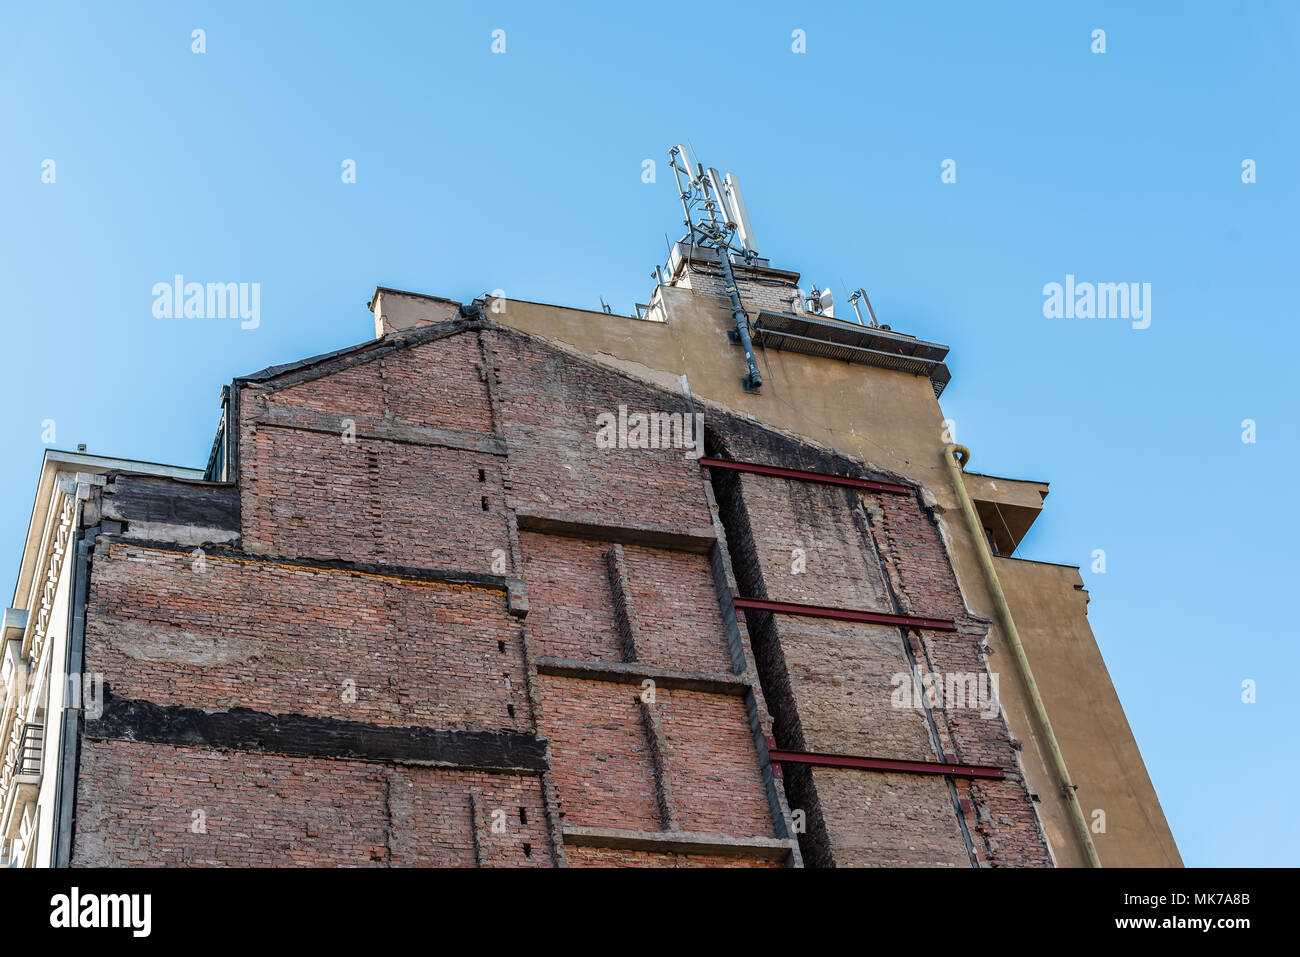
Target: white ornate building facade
[42, 688]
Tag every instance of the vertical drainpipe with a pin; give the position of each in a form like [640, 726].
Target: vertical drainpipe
[754, 379]
[950, 454]
[70, 722]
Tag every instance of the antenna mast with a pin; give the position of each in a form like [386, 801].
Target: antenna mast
[861, 293]
[715, 214]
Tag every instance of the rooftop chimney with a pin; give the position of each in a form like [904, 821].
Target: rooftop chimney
[397, 311]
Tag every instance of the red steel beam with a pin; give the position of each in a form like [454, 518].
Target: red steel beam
[886, 764]
[803, 475]
[844, 614]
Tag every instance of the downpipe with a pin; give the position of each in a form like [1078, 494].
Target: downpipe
[754, 379]
[955, 468]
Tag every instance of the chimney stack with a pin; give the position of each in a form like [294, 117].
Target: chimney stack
[397, 311]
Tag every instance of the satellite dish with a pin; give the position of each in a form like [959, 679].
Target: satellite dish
[826, 303]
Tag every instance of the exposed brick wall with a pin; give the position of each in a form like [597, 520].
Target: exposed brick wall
[461, 440]
[926, 584]
[889, 820]
[774, 671]
[603, 766]
[1002, 820]
[606, 770]
[572, 615]
[710, 756]
[679, 624]
[843, 682]
[550, 404]
[834, 565]
[309, 493]
[601, 758]
[136, 806]
[832, 685]
[706, 279]
[286, 640]
[1009, 833]
[607, 857]
[440, 386]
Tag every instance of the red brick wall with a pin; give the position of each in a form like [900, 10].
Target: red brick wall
[837, 566]
[285, 639]
[680, 622]
[136, 806]
[710, 757]
[600, 755]
[922, 573]
[1003, 821]
[573, 617]
[603, 768]
[844, 688]
[550, 405]
[441, 386]
[571, 612]
[309, 493]
[606, 857]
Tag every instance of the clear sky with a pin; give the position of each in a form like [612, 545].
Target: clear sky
[522, 171]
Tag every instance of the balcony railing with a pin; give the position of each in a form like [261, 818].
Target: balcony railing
[30, 749]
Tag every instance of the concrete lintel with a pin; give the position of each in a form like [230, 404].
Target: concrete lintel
[633, 673]
[698, 540]
[309, 420]
[513, 588]
[679, 842]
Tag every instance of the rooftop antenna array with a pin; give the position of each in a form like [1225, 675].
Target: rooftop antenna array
[861, 293]
[822, 303]
[716, 219]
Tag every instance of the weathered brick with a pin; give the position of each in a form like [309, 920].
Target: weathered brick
[465, 434]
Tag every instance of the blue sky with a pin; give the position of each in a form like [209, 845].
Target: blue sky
[522, 171]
